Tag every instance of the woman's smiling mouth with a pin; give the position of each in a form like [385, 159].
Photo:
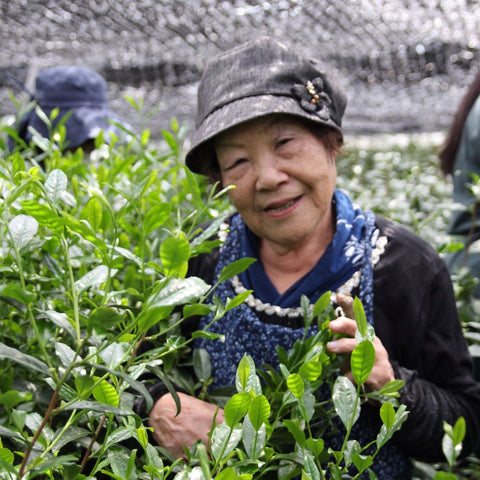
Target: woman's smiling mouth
[279, 207]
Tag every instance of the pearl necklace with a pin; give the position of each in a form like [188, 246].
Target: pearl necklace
[296, 312]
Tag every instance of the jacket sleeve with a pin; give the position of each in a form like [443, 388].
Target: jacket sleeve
[419, 326]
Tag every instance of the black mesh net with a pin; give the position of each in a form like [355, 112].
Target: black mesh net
[405, 63]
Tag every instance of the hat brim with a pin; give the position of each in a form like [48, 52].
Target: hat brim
[83, 124]
[202, 150]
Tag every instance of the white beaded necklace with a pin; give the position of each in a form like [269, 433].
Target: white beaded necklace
[296, 312]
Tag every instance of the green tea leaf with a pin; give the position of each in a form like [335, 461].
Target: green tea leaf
[310, 370]
[94, 213]
[298, 434]
[459, 431]
[208, 335]
[236, 408]
[55, 185]
[43, 214]
[15, 291]
[387, 414]
[7, 456]
[445, 476]
[11, 398]
[204, 463]
[71, 435]
[391, 388]
[201, 364]
[322, 303]
[259, 411]
[174, 254]
[114, 354]
[31, 363]
[224, 441]
[246, 378]
[156, 217]
[60, 320]
[65, 353]
[362, 361]
[228, 473]
[100, 407]
[243, 373]
[84, 385]
[94, 278]
[295, 385]
[130, 379]
[253, 439]
[104, 318]
[315, 445]
[344, 400]
[310, 468]
[235, 268]
[177, 291]
[386, 432]
[360, 317]
[362, 462]
[104, 392]
[237, 300]
[23, 230]
[199, 309]
[170, 139]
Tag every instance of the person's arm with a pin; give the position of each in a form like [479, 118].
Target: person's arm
[441, 388]
[416, 318]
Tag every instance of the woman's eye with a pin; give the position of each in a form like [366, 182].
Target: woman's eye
[238, 162]
[234, 163]
[283, 141]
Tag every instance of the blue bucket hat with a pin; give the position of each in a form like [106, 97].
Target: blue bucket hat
[79, 90]
[257, 78]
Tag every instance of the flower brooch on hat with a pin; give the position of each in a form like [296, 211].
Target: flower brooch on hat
[312, 98]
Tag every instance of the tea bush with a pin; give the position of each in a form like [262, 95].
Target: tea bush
[93, 264]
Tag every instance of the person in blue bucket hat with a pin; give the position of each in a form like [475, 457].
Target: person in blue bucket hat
[82, 94]
[269, 122]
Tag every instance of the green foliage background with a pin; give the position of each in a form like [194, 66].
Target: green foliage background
[93, 259]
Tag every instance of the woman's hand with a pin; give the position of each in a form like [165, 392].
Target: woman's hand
[193, 423]
[382, 371]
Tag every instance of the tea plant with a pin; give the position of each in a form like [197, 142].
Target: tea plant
[277, 423]
[93, 260]
[93, 263]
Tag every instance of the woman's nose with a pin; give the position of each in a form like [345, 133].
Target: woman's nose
[269, 174]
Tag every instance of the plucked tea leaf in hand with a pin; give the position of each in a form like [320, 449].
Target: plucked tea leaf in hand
[362, 361]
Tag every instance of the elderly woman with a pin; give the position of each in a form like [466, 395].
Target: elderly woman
[269, 122]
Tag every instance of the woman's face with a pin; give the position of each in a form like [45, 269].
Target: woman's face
[284, 179]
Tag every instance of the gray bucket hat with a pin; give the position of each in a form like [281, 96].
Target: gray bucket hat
[257, 78]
